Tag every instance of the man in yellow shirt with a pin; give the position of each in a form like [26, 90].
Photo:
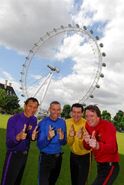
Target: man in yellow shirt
[79, 157]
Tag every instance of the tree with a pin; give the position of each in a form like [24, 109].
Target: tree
[12, 104]
[106, 115]
[2, 99]
[8, 103]
[118, 120]
[66, 111]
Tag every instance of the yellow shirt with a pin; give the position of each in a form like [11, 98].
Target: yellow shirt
[76, 144]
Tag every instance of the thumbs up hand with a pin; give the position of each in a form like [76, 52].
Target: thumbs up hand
[61, 133]
[24, 128]
[22, 135]
[93, 142]
[86, 137]
[79, 134]
[51, 133]
[34, 133]
[72, 131]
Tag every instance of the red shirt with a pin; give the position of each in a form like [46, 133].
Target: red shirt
[105, 134]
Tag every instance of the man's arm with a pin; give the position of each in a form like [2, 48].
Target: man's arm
[43, 138]
[11, 139]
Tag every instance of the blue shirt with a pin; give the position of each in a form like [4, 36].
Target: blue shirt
[14, 126]
[52, 146]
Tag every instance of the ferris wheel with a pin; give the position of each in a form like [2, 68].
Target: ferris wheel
[48, 63]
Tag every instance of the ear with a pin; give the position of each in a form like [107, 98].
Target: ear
[24, 107]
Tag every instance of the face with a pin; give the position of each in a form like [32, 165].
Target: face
[55, 111]
[92, 118]
[76, 113]
[30, 109]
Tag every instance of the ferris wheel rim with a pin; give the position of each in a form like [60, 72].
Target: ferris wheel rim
[56, 31]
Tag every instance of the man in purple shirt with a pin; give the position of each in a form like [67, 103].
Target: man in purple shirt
[21, 128]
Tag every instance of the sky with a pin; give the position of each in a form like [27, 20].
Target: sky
[24, 23]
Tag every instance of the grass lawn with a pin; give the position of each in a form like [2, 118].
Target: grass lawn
[31, 171]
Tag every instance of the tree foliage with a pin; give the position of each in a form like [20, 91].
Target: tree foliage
[66, 111]
[2, 98]
[106, 115]
[8, 103]
[118, 120]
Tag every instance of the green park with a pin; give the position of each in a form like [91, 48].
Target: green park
[31, 171]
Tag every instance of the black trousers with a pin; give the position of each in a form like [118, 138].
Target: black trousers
[106, 173]
[13, 168]
[49, 168]
[79, 167]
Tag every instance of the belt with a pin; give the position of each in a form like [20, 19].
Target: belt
[51, 155]
[21, 152]
[77, 155]
[107, 163]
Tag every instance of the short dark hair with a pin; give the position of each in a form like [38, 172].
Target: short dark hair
[54, 102]
[31, 99]
[94, 108]
[78, 105]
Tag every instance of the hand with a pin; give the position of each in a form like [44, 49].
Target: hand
[93, 142]
[34, 133]
[79, 134]
[22, 135]
[86, 137]
[61, 133]
[72, 131]
[51, 133]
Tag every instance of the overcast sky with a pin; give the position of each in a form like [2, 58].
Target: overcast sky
[24, 22]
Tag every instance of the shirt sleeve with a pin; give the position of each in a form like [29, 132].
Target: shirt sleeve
[109, 144]
[86, 146]
[42, 140]
[11, 133]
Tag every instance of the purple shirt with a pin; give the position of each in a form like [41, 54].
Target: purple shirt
[14, 126]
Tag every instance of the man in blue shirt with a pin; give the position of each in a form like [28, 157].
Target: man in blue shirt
[52, 135]
[21, 128]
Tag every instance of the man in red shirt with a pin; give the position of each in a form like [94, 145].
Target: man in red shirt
[101, 138]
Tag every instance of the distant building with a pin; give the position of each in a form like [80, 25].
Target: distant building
[8, 88]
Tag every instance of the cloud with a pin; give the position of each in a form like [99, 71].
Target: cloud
[107, 20]
[10, 80]
[25, 21]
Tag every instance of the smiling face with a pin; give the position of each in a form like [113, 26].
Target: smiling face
[92, 118]
[55, 111]
[76, 113]
[30, 108]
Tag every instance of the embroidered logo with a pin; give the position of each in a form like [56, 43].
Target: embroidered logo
[99, 137]
[30, 127]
